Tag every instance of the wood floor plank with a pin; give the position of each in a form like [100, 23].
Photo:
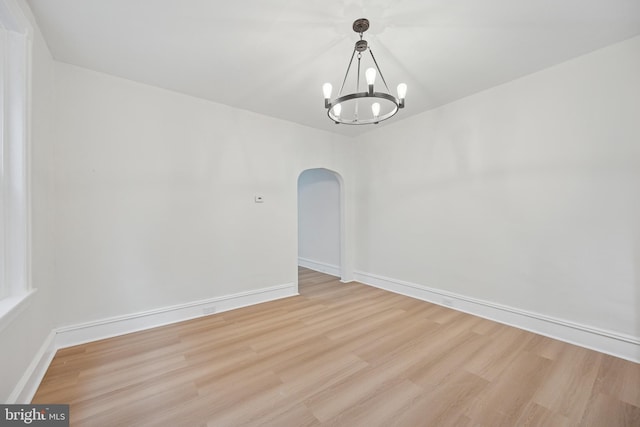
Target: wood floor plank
[535, 415]
[444, 404]
[341, 354]
[379, 408]
[570, 382]
[506, 397]
[619, 379]
[605, 410]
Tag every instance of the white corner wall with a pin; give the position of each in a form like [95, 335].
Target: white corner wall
[143, 211]
[319, 221]
[155, 197]
[24, 338]
[523, 199]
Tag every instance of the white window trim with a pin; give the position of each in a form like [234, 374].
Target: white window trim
[15, 116]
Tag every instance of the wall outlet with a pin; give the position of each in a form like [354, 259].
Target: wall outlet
[258, 199]
[209, 310]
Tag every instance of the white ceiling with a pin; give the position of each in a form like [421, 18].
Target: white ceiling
[272, 57]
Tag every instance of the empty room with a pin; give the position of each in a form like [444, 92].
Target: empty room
[345, 213]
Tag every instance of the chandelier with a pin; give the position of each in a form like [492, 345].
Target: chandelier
[367, 106]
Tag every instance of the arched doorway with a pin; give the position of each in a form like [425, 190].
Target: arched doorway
[321, 221]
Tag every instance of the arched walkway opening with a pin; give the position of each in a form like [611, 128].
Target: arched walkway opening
[321, 221]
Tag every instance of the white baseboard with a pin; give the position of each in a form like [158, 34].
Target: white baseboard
[613, 343]
[68, 336]
[26, 388]
[106, 328]
[320, 266]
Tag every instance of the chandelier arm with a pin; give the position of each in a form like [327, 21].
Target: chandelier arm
[347, 73]
[380, 72]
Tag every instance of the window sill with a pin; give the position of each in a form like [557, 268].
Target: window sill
[12, 306]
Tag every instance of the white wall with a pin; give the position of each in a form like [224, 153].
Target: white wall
[23, 337]
[526, 195]
[155, 196]
[319, 217]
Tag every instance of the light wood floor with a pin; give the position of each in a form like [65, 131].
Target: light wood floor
[342, 355]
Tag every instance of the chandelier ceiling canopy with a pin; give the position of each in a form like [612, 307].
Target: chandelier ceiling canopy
[368, 106]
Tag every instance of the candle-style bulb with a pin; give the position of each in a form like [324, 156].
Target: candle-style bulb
[326, 90]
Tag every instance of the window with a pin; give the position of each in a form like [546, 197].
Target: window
[15, 35]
